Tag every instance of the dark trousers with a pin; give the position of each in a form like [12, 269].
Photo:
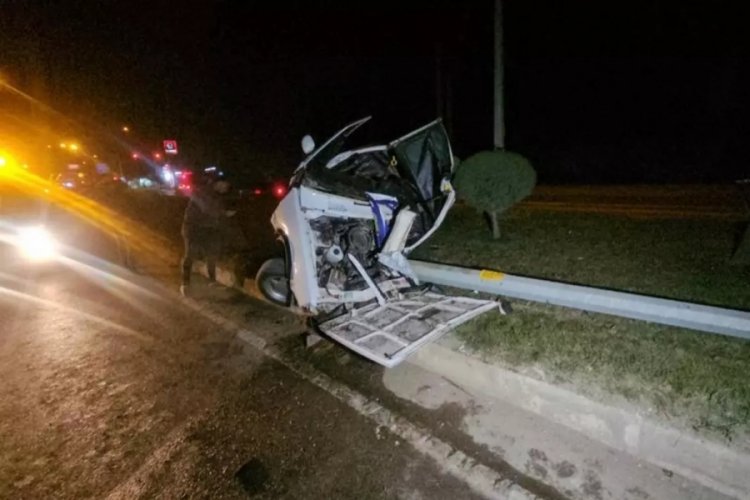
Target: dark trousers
[204, 244]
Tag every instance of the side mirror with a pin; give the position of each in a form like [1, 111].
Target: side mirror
[308, 144]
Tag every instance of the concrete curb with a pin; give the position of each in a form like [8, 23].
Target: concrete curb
[706, 462]
[228, 278]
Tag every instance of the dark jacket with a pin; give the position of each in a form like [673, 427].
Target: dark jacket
[205, 212]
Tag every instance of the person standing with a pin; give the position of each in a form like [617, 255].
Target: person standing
[202, 228]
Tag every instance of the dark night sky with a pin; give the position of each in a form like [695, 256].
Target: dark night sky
[596, 91]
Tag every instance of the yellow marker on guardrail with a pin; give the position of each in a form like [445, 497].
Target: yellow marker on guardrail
[489, 275]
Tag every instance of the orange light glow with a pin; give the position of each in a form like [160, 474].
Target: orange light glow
[105, 219]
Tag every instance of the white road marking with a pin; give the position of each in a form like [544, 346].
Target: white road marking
[137, 483]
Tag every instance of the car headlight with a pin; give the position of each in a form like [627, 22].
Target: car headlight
[36, 244]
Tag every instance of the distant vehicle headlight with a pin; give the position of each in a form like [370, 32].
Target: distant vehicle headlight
[36, 244]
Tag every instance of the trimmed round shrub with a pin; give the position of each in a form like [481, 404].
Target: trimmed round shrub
[494, 181]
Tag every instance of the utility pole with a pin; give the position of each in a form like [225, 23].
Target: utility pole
[443, 88]
[499, 132]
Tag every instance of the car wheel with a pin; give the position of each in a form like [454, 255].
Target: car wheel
[273, 281]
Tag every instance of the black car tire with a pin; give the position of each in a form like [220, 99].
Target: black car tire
[273, 281]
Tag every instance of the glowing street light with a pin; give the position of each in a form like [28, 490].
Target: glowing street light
[63, 145]
[125, 129]
[135, 156]
[157, 156]
[73, 147]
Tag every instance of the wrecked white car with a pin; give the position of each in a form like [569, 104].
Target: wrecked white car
[348, 223]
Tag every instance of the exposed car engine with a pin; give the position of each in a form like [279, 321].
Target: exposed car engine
[336, 238]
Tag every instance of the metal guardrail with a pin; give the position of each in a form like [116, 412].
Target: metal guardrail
[728, 322]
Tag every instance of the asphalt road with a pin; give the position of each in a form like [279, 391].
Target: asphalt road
[113, 388]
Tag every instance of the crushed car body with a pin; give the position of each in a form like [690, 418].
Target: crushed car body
[348, 223]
